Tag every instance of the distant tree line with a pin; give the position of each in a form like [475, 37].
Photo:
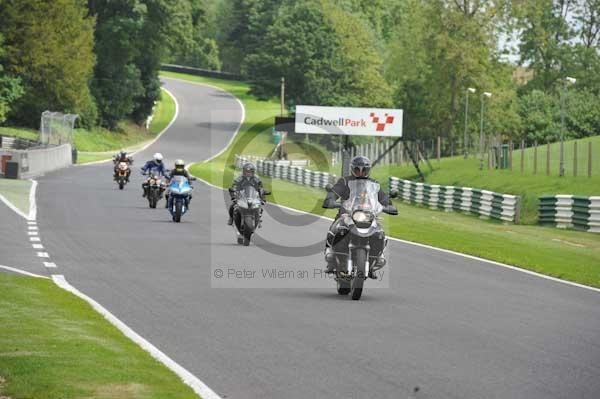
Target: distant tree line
[100, 59]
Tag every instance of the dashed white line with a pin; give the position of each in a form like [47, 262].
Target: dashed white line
[50, 264]
[34, 239]
[32, 233]
[31, 222]
[43, 254]
[37, 246]
[32, 227]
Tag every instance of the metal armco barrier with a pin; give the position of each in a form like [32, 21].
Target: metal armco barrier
[483, 203]
[570, 211]
[289, 170]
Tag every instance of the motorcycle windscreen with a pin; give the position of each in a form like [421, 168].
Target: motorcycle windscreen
[179, 185]
[249, 193]
[364, 196]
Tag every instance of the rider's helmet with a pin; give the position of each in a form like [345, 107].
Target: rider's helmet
[158, 157]
[248, 169]
[122, 154]
[360, 166]
[179, 165]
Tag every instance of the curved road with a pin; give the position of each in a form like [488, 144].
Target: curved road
[447, 326]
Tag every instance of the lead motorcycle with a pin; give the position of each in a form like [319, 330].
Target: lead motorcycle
[179, 196]
[359, 254]
[247, 213]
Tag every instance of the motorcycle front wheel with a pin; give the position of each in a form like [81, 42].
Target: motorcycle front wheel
[177, 216]
[359, 262]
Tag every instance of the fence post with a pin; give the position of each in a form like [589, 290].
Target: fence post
[522, 156]
[510, 156]
[535, 145]
[575, 158]
[590, 159]
[548, 159]
[439, 148]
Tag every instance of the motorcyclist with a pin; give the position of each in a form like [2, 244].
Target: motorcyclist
[156, 164]
[360, 168]
[248, 177]
[119, 157]
[179, 170]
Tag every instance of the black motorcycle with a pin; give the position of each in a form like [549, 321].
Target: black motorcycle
[247, 213]
[359, 254]
[155, 187]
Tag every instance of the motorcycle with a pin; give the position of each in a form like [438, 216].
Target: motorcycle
[247, 213]
[180, 193]
[359, 254]
[154, 189]
[122, 176]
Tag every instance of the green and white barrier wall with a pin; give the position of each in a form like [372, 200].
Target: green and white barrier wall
[570, 211]
[293, 171]
[483, 203]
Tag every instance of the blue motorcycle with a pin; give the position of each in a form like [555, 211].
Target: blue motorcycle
[179, 196]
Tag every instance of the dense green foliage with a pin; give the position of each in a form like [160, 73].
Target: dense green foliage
[101, 59]
[48, 46]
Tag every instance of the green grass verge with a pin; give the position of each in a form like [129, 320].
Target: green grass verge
[569, 255]
[100, 144]
[458, 171]
[55, 346]
[17, 192]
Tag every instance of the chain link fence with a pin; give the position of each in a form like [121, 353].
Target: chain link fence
[56, 128]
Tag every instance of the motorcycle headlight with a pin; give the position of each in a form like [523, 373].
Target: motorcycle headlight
[362, 218]
[152, 181]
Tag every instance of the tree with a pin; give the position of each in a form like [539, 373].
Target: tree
[324, 53]
[48, 45]
[116, 83]
[544, 39]
[10, 87]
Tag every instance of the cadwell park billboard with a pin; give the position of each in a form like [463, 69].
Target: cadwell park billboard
[348, 121]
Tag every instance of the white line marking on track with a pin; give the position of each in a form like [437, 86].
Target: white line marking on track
[43, 254]
[37, 246]
[50, 264]
[30, 222]
[188, 378]
[34, 239]
[32, 233]
[12, 207]
[32, 227]
[23, 272]
[491, 262]
[32, 203]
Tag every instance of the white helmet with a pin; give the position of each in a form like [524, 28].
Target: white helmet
[158, 157]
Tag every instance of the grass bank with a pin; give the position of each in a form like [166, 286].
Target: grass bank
[99, 143]
[55, 346]
[457, 171]
[569, 255]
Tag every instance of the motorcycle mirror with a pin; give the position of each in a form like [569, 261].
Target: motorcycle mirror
[329, 188]
[394, 193]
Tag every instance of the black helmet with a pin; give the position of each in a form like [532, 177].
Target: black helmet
[123, 154]
[248, 169]
[360, 166]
